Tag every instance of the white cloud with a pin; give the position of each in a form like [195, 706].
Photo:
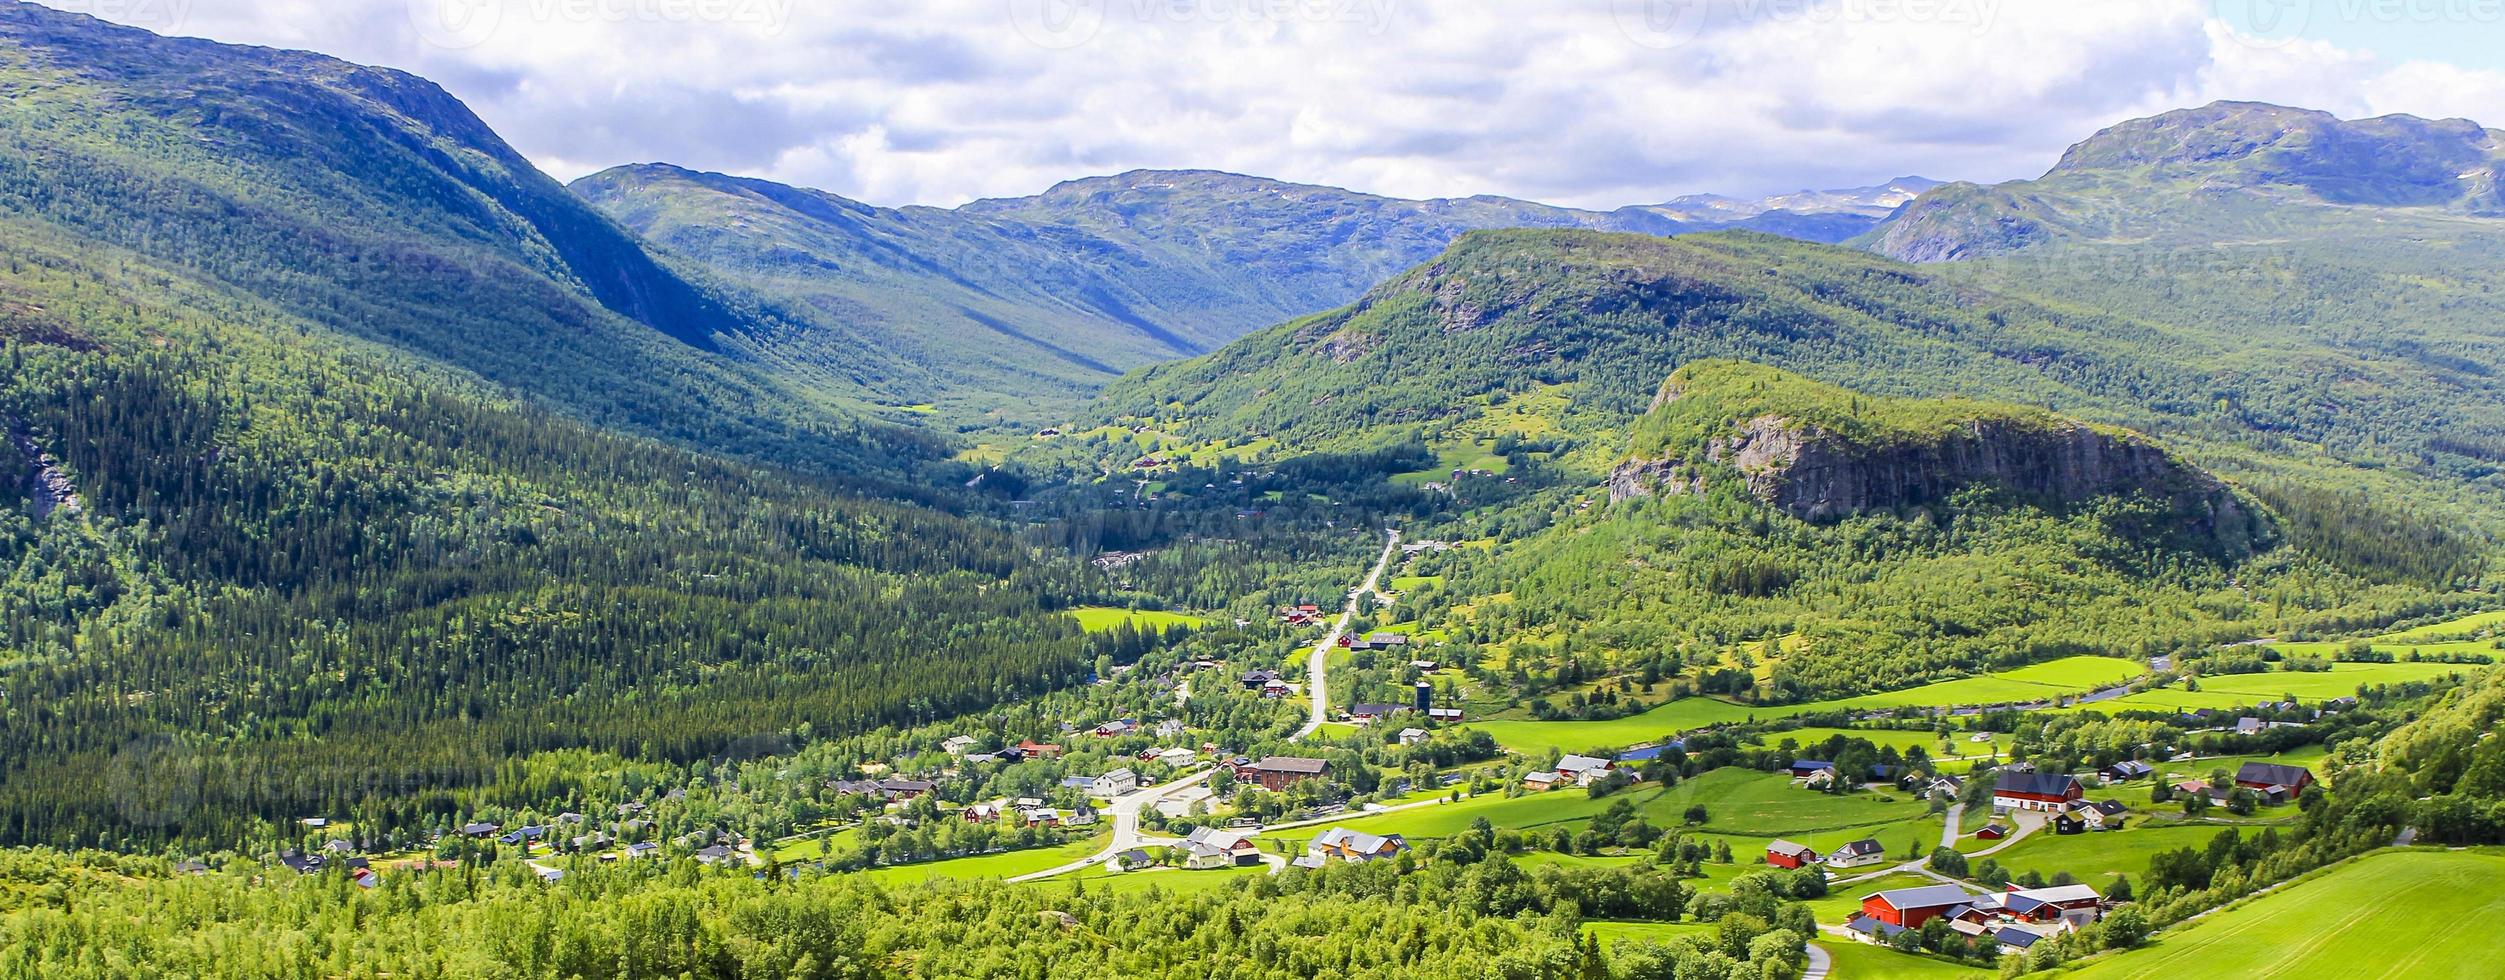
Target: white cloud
[1596, 102]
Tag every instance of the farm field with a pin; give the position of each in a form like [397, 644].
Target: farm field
[1757, 806]
[2073, 675]
[1007, 864]
[1103, 619]
[2464, 626]
[1613, 933]
[2309, 756]
[1170, 880]
[2394, 914]
[1958, 741]
[1857, 961]
[2340, 681]
[2096, 858]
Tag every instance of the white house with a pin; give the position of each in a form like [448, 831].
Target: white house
[957, 744]
[1114, 783]
[1412, 736]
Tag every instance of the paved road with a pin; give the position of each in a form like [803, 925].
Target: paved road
[1317, 685]
[1819, 963]
[2028, 822]
[1949, 829]
[1125, 810]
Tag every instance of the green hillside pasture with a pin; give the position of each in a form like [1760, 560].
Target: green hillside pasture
[1960, 747]
[1611, 934]
[1172, 881]
[1006, 864]
[2227, 692]
[1858, 961]
[2097, 858]
[1755, 805]
[2073, 675]
[2394, 914]
[1102, 619]
[2464, 626]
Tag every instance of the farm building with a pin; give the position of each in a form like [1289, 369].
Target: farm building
[2275, 783]
[2127, 769]
[2035, 790]
[1785, 854]
[1857, 853]
[1909, 908]
[1350, 845]
[1277, 772]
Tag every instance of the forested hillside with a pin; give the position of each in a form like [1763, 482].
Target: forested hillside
[372, 203]
[1053, 295]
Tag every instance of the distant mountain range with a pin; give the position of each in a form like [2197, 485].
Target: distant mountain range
[2223, 172]
[1052, 295]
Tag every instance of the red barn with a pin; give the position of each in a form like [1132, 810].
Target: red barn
[1911, 907]
[1276, 772]
[1785, 854]
[2035, 790]
[2261, 776]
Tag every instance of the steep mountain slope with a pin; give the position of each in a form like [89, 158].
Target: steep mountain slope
[1052, 294]
[2351, 272]
[372, 203]
[302, 506]
[2223, 172]
[1820, 454]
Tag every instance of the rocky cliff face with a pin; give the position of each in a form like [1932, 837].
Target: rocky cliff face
[46, 486]
[1815, 476]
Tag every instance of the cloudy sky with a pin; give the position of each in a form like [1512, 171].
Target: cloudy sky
[1583, 102]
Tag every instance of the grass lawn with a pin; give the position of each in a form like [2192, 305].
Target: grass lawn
[1552, 859]
[2072, 675]
[1612, 933]
[1411, 583]
[1959, 746]
[1102, 619]
[1172, 881]
[1007, 864]
[804, 851]
[2459, 627]
[1746, 803]
[2095, 859]
[1858, 961]
[2309, 756]
[2395, 914]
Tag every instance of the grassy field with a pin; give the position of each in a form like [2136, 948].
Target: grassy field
[1856, 961]
[1613, 933]
[1007, 864]
[1172, 881]
[1102, 619]
[2396, 914]
[2073, 675]
[2473, 623]
[2096, 858]
[1958, 744]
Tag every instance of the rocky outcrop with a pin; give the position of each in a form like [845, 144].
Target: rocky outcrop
[1815, 476]
[47, 487]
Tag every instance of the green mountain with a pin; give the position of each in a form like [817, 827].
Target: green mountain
[2347, 273]
[303, 506]
[373, 204]
[1052, 295]
[2219, 173]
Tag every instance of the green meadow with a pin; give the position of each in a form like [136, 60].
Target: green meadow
[1006, 864]
[1856, 961]
[2069, 676]
[1103, 619]
[2393, 914]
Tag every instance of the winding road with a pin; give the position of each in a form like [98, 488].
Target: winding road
[1316, 683]
[1125, 810]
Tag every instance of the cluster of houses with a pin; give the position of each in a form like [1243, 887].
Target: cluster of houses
[1571, 770]
[1301, 614]
[1422, 704]
[2274, 784]
[1268, 682]
[1028, 812]
[1785, 854]
[2017, 918]
[1276, 772]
